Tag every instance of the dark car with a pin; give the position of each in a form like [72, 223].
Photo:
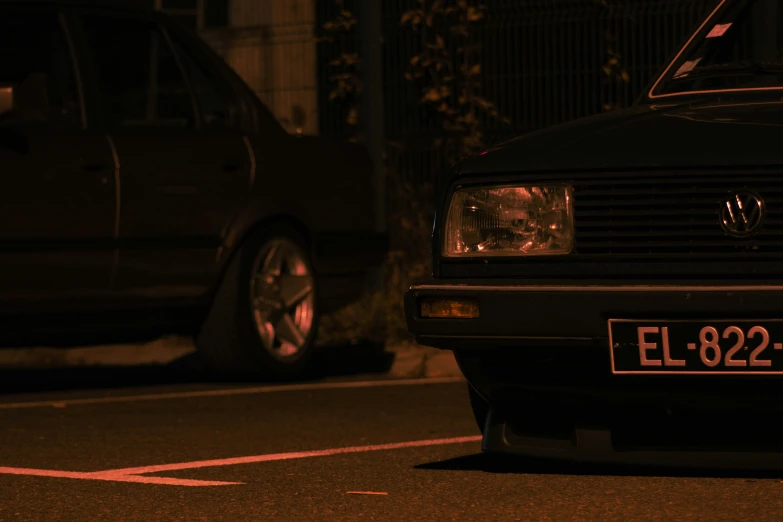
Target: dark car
[145, 190]
[612, 287]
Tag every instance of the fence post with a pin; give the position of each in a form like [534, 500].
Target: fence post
[372, 124]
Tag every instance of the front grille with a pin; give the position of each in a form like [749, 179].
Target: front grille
[657, 215]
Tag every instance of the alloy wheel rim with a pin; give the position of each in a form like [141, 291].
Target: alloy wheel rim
[282, 298]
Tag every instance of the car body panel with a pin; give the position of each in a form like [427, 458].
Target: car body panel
[540, 352]
[158, 214]
[688, 135]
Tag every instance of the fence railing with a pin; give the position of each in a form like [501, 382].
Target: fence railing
[542, 63]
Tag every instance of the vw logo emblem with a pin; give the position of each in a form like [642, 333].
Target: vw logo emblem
[741, 213]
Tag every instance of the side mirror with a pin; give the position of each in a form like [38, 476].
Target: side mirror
[7, 99]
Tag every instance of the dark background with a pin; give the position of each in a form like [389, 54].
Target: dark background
[542, 64]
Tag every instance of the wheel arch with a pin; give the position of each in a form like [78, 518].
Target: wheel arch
[234, 242]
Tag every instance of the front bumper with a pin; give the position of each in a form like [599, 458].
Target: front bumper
[525, 314]
[540, 355]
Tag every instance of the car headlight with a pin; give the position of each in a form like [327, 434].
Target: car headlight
[510, 221]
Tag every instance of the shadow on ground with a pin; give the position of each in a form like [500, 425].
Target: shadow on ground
[529, 466]
[331, 362]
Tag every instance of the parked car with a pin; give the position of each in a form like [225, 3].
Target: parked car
[612, 287]
[146, 190]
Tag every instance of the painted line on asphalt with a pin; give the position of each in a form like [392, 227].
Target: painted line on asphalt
[135, 474]
[99, 475]
[231, 391]
[270, 457]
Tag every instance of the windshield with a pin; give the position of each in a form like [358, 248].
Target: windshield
[741, 48]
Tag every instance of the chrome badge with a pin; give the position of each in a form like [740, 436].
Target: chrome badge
[742, 213]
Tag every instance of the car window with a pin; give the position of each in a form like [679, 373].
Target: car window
[138, 75]
[36, 62]
[214, 97]
[742, 48]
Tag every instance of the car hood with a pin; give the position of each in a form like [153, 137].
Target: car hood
[707, 135]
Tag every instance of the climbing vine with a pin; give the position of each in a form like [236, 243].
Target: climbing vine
[447, 70]
[615, 73]
[345, 76]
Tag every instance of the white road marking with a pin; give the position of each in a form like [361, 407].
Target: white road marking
[100, 475]
[269, 457]
[134, 474]
[54, 403]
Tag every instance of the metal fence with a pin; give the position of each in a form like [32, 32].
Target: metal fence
[541, 60]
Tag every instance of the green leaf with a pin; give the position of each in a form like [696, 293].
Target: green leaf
[482, 102]
[353, 116]
[474, 14]
[431, 95]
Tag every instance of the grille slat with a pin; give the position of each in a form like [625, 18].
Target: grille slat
[661, 216]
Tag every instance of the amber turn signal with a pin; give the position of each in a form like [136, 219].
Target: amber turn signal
[449, 308]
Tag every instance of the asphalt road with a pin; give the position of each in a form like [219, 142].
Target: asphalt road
[311, 452]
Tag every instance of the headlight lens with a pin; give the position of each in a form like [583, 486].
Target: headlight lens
[510, 221]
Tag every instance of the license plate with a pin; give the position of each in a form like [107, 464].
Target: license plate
[696, 347]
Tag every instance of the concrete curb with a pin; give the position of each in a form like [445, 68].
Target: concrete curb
[411, 361]
[160, 351]
[415, 361]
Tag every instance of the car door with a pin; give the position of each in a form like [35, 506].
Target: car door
[185, 166]
[57, 178]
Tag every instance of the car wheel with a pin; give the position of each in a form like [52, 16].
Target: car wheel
[480, 408]
[264, 317]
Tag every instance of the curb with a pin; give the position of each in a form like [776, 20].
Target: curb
[411, 361]
[161, 351]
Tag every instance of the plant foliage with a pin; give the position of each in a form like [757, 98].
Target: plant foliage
[447, 69]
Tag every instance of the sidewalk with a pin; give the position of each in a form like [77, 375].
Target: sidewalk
[410, 360]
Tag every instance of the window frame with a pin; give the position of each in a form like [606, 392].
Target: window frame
[81, 121]
[253, 116]
[180, 44]
[92, 75]
[242, 97]
[653, 94]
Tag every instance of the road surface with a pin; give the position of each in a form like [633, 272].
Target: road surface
[325, 450]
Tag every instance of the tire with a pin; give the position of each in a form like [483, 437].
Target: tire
[480, 408]
[264, 317]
